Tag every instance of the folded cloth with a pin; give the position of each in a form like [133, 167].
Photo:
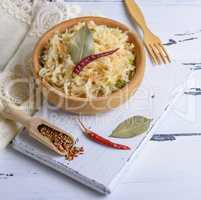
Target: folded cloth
[16, 81]
[15, 19]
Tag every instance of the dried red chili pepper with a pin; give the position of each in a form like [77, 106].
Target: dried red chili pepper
[101, 140]
[85, 61]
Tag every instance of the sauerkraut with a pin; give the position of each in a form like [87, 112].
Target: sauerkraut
[99, 78]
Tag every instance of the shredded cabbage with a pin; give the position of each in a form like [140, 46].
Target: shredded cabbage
[99, 78]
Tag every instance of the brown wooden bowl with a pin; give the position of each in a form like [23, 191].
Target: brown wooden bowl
[85, 105]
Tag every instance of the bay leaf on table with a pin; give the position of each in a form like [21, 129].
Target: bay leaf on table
[81, 45]
[131, 127]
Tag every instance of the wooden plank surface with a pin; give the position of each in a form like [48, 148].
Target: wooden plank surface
[160, 172]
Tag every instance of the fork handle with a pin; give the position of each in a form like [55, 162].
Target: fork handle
[136, 14]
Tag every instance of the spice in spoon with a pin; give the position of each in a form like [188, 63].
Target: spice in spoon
[101, 140]
[63, 142]
[85, 61]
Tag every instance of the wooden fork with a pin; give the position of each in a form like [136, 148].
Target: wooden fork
[152, 43]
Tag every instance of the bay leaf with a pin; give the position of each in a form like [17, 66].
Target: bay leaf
[81, 45]
[131, 127]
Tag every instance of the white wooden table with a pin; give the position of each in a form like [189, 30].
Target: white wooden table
[159, 172]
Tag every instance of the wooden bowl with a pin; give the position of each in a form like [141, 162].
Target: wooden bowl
[85, 105]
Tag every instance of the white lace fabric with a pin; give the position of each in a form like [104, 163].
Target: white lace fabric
[20, 9]
[16, 81]
[50, 14]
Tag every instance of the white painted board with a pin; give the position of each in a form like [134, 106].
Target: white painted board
[100, 165]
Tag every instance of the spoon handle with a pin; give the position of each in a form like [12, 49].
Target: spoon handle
[13, 113]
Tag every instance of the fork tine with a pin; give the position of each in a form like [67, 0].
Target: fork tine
[160, 53]
[156, 53]
[165, 52]
[153, 57]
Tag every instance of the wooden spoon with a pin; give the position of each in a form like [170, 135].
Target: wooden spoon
[31, 123]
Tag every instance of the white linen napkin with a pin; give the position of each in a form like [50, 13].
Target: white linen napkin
[23, 23]
[15, 19]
